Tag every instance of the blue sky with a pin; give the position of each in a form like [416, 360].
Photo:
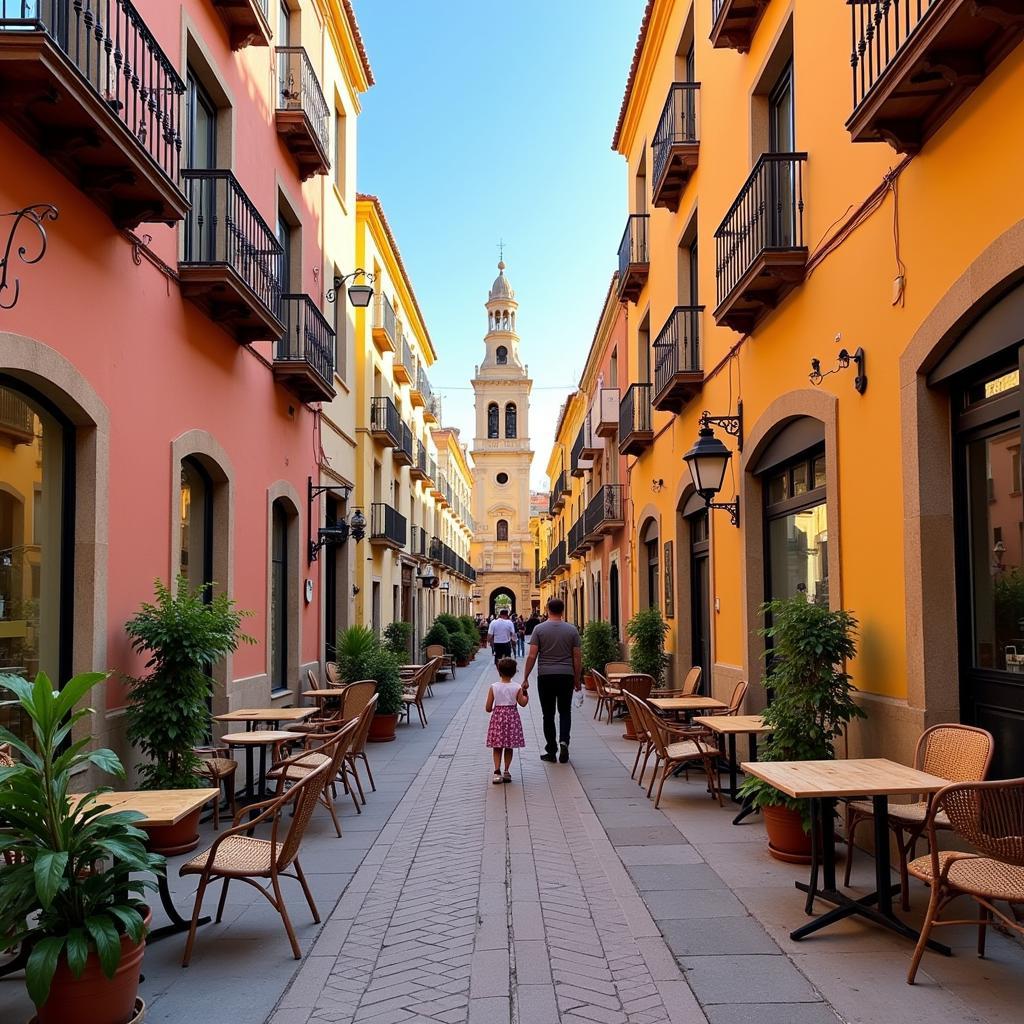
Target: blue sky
[494, 120]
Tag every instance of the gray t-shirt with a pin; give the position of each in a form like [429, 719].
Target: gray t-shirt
[555, 642]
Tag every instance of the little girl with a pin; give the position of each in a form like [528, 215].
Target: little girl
[505, 732]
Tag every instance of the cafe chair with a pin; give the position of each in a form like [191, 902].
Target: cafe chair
[645, 746]
[989, 816]
[603, 691]
[447, 661]
[959, 753]
[357, 753]
[690, 687]
[219, 767]
[331, 668]
[413, 696]
[238, 854]
[617, 666]
[639, 684]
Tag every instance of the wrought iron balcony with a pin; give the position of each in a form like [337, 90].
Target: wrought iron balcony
[232, 263]
[733, 22]
[606, 412]
[441, 490]
[915, 61]
[634, 261]
[605, 513]
[387, 526]
[676, 145]
[636, 433]
[86, 83]
[759, 246]
[678, 373]
[17, 421]
[586, 448]
[304, 354]
[302, 116]
[436, 550]
[418, 469]
[559, 559]
[404, 366]
[401, 454]
[431, 470]
[248, 21]
[385, 423]
[432, 407]
[579, 543]
[385, 325]
[559, 492]
[418, 542]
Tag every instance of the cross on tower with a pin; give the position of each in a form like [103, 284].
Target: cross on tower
[501, 249]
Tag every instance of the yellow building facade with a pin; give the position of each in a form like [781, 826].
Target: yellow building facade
[789, 219]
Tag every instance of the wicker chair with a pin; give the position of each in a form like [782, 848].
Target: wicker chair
[639, 685]
[413, 696]
[643, 736]
[447, 661]
[320, 750]
[236, 853]
[331, 670]
[673, 750]
[617, 666]
[356, 753]
[960, 753]
[601, 688]
[220, 768]
[351, 703]
[691, 684]
[990, 817]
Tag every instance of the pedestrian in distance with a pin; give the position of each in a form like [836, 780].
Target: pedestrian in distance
[501, 634]
[505, 730]
[520, 636]
[555, 649]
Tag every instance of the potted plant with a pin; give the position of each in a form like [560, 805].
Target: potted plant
[437, 634]
[361, 655]
[84, 928]
[812, 704]
[459, 647]
[398, 638]
[472, 633]
[599, 647]
[647, 631]
[184, 633]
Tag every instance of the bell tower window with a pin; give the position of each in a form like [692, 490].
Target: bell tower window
[501, 355]
[492, 420]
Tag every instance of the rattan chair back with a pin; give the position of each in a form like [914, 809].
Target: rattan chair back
[989, 816]
[331, 668]
[739, 695]
[306, 795]
[358, 744]
[691, 684]
[960, 753]
[617, 666]
[356, 697]
[651, 723]
[600, 683]
[636, 718]
[435, 651]
[314, 683]
[639, 684]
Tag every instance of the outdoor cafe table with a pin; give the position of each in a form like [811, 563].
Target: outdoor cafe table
[677, 704]
[730, 726]
[822, 783]
[160, 808]
[261, 738]
[328, 693]
[271, 716]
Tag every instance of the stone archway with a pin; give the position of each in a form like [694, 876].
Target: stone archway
[502, 592]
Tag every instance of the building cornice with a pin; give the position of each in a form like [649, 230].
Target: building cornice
[638, 83]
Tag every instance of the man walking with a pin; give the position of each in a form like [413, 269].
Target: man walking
[501, 633]
[555, 648]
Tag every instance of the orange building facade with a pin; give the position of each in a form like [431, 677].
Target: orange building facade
[824, 253]
[169, 337]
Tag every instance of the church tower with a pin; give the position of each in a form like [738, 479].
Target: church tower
[502, 550]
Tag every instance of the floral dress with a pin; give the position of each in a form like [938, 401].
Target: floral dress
[506, 728]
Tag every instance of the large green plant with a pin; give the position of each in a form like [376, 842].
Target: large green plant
[437, 634]
[450, 622]
[397, 637]
[361, 655]
[184, 632]
[599, 646]
[459, 645]
[52, 897]
[469, 627]
[812, 696]
[647, 631]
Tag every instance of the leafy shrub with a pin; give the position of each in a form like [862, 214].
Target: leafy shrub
[361, 655]
[450, 622]
[437, 634]
[470, 628]
[647, 631]
[397, 638]
[599, 646]
[459, 644]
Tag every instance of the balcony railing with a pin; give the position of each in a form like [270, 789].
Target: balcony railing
[248, 21]
[579, 543]
[634, 261]
[114, 124]
[423, 385]
[232, 263]
[675, 148]
[17, 420]
[635, 430]
[733, 22]
[431, 469]
[302, 115]
[404, 368]
[385, 328]
[760, 251]
[418, 469]
[558, 493]
[402, 452]
[304, 354]
[432, 407]
[385, 422]
[605, 512]
[387, 526]
[677, 359]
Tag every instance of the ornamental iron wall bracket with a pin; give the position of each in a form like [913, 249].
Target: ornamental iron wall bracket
[333, 533]
[843, 361]
[34, 215]
[731, 425]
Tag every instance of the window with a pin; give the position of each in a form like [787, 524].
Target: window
[279, 597]
[492, 420]
[195, 562]
[501, 355]
[340, 332]
[284, 236]
[339, 149]
[650, 563]
[502, 530]
[201, 126]
[283, 23]
[510, 419]
[502, 479]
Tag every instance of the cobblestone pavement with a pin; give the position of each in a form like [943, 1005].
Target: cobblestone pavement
[487, 903]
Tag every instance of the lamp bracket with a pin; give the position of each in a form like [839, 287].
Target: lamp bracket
[314, 491]
[732, 507]
[843, 361]
[332, 293]
[732, 425]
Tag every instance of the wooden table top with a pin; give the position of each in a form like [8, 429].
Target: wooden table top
[686, 703]
[258, 737]
[266, 715]
[326, 693]
[869, 776]
[725, 724]
[160, 806]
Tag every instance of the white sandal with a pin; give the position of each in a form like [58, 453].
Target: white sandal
[496, 781]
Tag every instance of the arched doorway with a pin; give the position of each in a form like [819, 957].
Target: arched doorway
[502, 597]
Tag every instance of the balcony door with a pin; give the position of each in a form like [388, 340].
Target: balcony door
[700, 596]
[201, 155]
[781, 139]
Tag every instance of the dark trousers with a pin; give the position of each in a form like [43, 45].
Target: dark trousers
[501, 651]
[556, 692]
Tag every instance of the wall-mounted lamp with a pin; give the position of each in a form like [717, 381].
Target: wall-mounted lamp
[708, 460]
[337, 532]
[843, 361]
[657, 486]
[358, 294]
[445, 587]
[429, 579]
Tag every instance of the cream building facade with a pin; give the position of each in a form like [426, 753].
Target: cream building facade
[503, 547]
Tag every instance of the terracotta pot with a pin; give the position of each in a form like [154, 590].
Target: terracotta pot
[93, 998]
[382, 728]
[630, 733]
[462, 662]
[787, 839]
[590, 682]
[171, 840]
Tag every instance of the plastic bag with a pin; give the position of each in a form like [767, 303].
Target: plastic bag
[577, 699]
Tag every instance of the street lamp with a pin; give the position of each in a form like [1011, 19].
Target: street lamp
[338, 531]
[358, 294]
[708, 460]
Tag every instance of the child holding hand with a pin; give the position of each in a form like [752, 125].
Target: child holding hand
[505, 731]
